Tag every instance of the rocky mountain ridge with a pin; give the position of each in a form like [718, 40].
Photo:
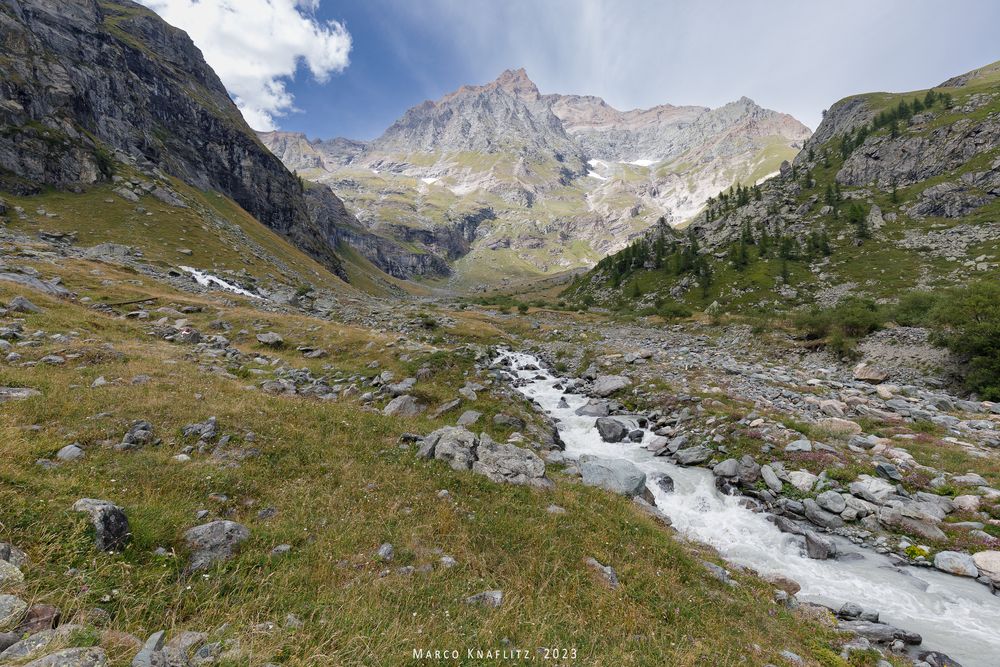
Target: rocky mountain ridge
[98, 92]
[540, 172]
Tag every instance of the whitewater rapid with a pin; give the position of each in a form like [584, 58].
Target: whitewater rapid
[954, 615]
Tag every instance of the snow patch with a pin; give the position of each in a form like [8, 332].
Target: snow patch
[594, 174]
[643, 163]
[598, 163]
[208, 280]
[429, 181]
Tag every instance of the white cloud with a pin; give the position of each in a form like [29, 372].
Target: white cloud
[256, 46]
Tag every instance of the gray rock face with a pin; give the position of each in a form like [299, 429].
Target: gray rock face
[506, 463]
[605, 385]
[611, 429]
[214, 542]
[111, 527]
[617, 475]
[135, 103]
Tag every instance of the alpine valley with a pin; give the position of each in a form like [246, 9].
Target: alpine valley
[525, 379]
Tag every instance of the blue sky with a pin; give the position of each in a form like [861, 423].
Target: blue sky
[388, 55]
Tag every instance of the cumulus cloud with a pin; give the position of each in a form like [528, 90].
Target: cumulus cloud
[256, 47]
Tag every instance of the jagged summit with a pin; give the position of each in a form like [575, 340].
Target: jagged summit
[499, 175]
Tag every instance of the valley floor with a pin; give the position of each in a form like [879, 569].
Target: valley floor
[176, 404]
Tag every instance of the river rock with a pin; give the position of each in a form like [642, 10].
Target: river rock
[617, 475]
[605, 385]
[880, 633]
[911, 520]
[594, 408]
[818, 547]
[803, 480]
[111, 527]
[872, 489]
[727, 468]
[611, 429]
[819, 516]
[771, 478]
[831, 501]
[956, 563]
[213, 542]
[988, 563]
[693, 455]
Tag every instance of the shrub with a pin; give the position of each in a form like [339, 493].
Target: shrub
[968, 323]
[915, 308]
[849, 320]
[673, 310]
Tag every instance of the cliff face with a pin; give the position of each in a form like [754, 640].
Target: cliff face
[85, 84]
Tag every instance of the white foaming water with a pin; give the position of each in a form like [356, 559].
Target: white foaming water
[955, 615]
[208, 280]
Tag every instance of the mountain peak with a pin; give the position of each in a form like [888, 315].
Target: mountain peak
[516, 81]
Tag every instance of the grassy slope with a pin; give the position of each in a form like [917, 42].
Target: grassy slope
[342, 486]
[881, 270]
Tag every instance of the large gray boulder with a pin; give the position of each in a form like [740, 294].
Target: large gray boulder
[908, 519]
[988, 563]
[820, 516]
[693, 455]
[617, 475]
[403, 406]
[453, 444]
[956, 563]
[605, 385]
[611, 429]
[111, 528]
[213, 542]
[594, 408]
[507, 464]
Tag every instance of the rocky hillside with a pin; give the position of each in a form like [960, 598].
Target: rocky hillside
[893, 192]
[500, 181]
[94, 92]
